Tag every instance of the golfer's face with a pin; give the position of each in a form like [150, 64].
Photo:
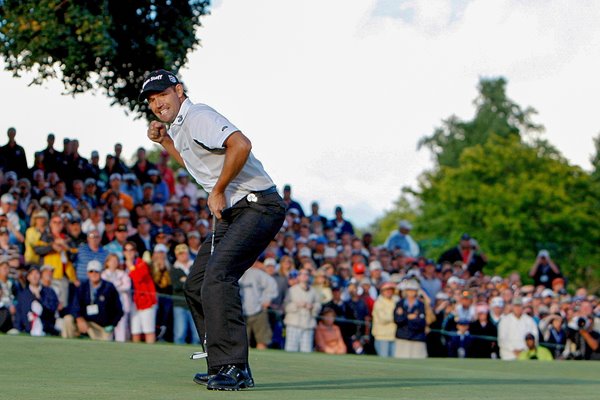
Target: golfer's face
[165, 105]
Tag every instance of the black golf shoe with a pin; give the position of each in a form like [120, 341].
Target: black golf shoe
[231, 377]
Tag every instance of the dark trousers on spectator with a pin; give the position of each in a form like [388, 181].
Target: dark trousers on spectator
[212, 289]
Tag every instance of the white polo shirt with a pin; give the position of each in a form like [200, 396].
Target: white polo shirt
[199, 133]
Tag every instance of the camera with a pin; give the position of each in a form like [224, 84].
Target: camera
[579, 323]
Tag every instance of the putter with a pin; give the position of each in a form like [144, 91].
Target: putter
[214, 230]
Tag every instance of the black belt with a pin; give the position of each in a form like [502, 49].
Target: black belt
[271, 190]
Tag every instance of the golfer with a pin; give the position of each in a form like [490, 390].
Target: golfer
[247, 206]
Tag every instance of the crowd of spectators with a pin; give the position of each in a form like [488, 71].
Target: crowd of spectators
[104, 252]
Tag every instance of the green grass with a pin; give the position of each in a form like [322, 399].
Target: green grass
[53, 368]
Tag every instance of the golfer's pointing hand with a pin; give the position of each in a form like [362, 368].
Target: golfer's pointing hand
[216, 203]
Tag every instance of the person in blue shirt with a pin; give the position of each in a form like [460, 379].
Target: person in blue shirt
[96, 308]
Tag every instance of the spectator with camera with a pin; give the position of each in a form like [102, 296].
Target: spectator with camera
[553, 334]
[583, 342]
[544, 270]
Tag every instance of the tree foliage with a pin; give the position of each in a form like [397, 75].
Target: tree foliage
[108, 44]
[495, 114]
[516, 199]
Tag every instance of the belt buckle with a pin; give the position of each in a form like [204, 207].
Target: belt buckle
[252, 198]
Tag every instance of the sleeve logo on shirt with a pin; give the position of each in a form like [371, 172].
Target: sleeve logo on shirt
[179, 119]
[223, 128]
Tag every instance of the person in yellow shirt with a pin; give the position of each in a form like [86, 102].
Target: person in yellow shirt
[39, 224]
[384, 327]
[533, 351]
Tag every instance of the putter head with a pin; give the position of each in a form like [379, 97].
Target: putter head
[198, 355]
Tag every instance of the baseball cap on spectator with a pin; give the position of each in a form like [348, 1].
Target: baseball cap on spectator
[94, 265]
[293, 274]
[496, 279]
[375, 266]
[338, 209]
[160, 248]
[404, 224]
[46, 200]
[10, 175]
[181, 173]
[181, 248]
[157, 81]
[365, 281]
[302, 240]
[304, 252]
[529, 336]
[543, 310]
[441, 296]
[115, 176]
[195, 234]
[148, 185]
[548, 293]
[526, 289]
[89, 182]
[321, 240]
[409, 284]
[33, 268]
[388, 285]
[455, 280]
[7, 198]
[40, 214]
[465, 236]
[95, 153]
[463, 321]
[74, 218]
[294, 211]
[122, 228]
[158, 207]
[482, 308]
[202, 222]
[123, 213]
[330, 253]
[46, 267]
[543, 253]
[270, 261]
[497, 302]
[359, 268]
[517, 301]
[153, 172]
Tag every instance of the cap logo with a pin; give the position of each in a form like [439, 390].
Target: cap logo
[172, 79]
[152, 78]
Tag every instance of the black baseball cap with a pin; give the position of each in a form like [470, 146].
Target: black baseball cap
[157, 81]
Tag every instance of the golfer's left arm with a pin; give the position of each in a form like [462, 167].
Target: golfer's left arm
[237, 149]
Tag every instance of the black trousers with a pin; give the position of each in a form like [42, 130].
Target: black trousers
[212, 289]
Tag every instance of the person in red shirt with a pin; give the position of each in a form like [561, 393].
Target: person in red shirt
[143, 313]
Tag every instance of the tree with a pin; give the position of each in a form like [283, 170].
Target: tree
[108, 44]
[495, 114]
[516, 199]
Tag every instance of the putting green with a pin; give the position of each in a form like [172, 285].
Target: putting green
[53, 368]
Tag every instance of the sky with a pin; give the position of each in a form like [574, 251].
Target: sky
[336, 94]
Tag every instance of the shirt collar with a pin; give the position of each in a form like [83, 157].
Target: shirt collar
[183, 110]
